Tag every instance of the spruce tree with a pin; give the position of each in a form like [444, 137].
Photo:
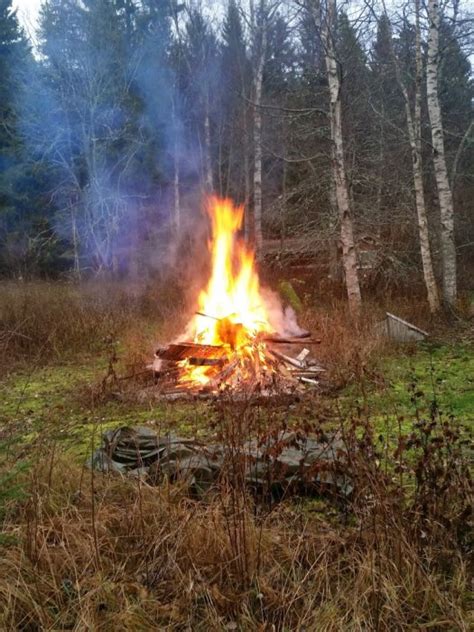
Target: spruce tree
[16, 184]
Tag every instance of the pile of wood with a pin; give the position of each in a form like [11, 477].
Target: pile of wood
[268, 364]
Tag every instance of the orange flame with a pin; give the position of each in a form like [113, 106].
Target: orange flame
[232, 309]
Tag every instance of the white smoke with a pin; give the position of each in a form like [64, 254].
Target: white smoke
[282, 319]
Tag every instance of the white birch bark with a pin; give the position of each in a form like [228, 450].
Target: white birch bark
[448, 247]
[349, 255]
[257, 136]
[208, 176]
[247, 185]
[413, 120]
[176, 176]
[414, 134]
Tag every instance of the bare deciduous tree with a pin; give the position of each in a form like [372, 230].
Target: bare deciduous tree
[260, 19]
[413, 120]
[445, 197]
[349, 255]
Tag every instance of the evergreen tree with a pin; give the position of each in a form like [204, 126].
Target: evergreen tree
[389, 149]
[280, 65]
[233, 128]
[13, 54]
[102, 73]
[357, 117]
[456, 89]
[202, 90]
[18, 183]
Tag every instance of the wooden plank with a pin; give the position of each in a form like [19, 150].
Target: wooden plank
[307, 380]
[307, 372]
[183, 350]
[399, 330]
[292, 341]
[407, 324]
[302, 355]
[287, 359]
[223, 375]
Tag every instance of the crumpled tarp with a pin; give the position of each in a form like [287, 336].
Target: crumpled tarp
[280, 462]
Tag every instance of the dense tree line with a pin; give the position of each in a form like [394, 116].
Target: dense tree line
[345, 130]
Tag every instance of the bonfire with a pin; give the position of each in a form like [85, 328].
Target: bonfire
[230, 342]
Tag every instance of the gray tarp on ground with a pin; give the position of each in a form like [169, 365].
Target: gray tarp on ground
[283, 461]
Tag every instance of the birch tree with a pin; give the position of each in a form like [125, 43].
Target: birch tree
[259, 35]
[413, 121]
[349, 256]
[448, 248]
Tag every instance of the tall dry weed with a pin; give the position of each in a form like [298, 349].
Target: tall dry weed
[106, 552]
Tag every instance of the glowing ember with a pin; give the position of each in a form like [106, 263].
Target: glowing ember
[232, 312]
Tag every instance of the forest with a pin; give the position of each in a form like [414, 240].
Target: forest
[236, 315]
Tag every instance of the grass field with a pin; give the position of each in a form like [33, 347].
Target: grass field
[82, 550]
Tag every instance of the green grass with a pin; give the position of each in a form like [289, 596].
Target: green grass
[57, 401]
[52, 408]
[407, 381]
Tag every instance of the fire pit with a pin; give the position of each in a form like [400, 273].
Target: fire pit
[238, 338]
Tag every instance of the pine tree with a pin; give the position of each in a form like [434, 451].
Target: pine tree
[16, 183]
[388, 149]
[201, 50]
[233, 127]
[357, 116]
[456, 90]
[13, 57]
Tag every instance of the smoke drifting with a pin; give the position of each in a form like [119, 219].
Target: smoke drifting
[109, 115]
[283, 319]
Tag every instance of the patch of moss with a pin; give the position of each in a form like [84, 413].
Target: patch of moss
[50, 402]
[412, 381]
[289, 295]
[47, 401]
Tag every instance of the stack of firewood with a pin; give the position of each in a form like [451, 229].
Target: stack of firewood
[266, 364]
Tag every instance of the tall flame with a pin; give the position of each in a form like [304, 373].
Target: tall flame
[231, 311]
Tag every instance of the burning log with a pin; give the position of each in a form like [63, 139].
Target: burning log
[224, 374]
[185, 350]
[265, 370]
[207, 361]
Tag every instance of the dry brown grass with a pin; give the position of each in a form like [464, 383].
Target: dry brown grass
[127, 557]
[53, 320]
[348, 346]
[91, 551]
[42, 321]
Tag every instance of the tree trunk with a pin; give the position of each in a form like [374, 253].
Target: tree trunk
[380, 179]
[423, 230]
[176, 177]
[257, 143]
[75, 244]
[414, 132]
[176, 192]
[414, 138]
[448, 248]
[247, 186]
[209, 180]
[349, 256]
